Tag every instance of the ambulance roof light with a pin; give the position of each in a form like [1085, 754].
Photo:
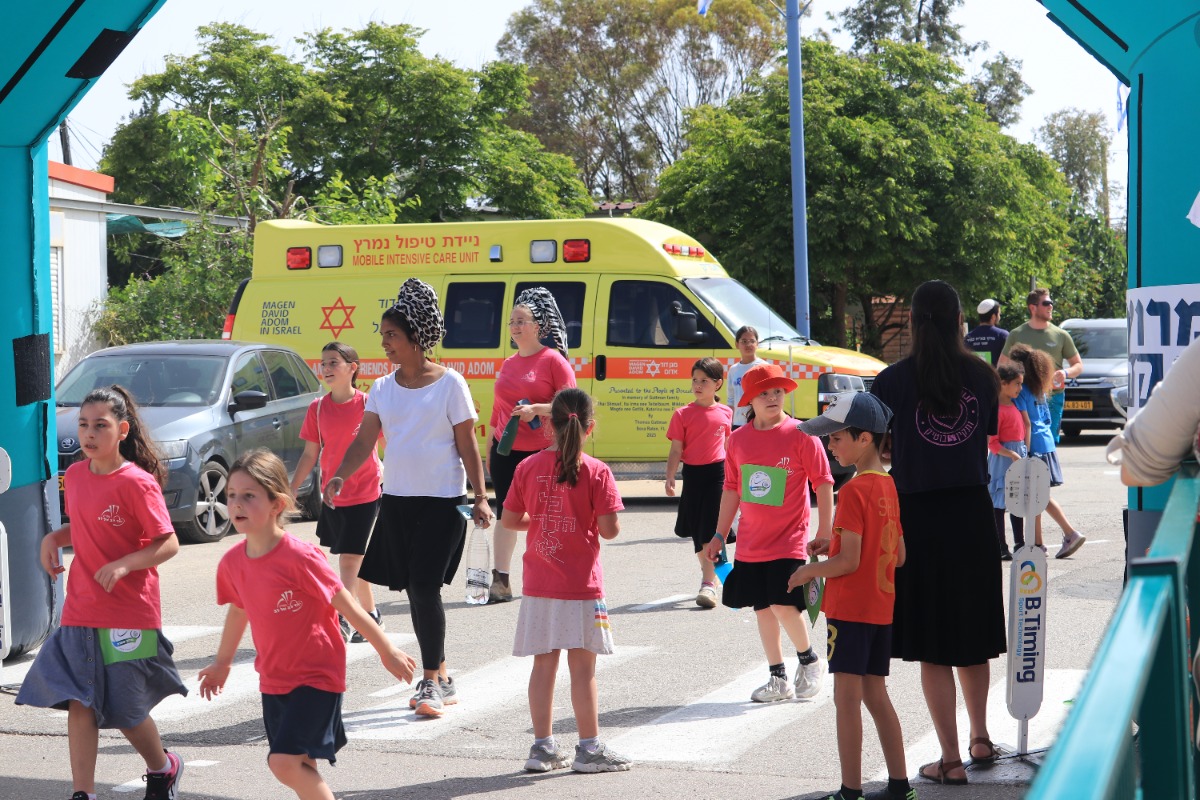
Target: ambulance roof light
[543, 251]
[299, 257]
[329, 255]
[577, 250]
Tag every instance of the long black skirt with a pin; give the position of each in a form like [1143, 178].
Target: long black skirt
[950, 591]
[417, 540]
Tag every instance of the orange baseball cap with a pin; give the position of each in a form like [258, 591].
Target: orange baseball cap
[759, 379]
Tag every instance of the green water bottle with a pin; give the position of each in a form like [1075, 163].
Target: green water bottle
[510, 432]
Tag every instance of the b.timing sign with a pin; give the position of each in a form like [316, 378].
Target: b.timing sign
[1026, 632]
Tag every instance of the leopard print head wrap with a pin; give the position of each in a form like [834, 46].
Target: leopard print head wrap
[418, 304]
[544, 309]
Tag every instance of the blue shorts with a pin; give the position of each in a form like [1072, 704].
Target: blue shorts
[859, 648]
[304, 722]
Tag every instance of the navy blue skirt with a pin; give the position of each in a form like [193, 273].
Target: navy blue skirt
[304, 722]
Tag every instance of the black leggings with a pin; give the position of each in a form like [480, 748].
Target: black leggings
[1018, 526]
[429, 623]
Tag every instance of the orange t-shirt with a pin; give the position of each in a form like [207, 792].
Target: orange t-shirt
[868, 506]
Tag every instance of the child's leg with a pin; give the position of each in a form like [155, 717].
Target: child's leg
[83, 742]
[708, 570]
[1037, 530]
[299, 773]
[145, 739]
[887, 724]
[1018, 526]
[847, 699]
[541, 693]
[585, 697]
[768, 632]
[998, 513]
[1056, 513]
[348, 566]
[793, 621]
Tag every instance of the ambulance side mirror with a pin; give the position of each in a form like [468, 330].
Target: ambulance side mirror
[686, 325]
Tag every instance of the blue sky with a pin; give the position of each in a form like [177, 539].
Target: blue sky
[466, 32]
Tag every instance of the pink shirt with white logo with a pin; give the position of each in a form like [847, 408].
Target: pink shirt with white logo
[562, 548]
[767, 533]
[536, 378]
[334, 427]
[112, 516]
[286, 595]
[702, 430]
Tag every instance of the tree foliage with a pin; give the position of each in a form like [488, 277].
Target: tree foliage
[907, 180]
[1078, 141]
[612, 78]
[1000, 89]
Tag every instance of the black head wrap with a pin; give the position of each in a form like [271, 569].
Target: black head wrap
[418, 303]
[544, 309]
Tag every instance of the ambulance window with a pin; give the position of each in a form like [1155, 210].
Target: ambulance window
[474, 313]
[570, 296]
[248, 375]
[287, 383]
[640, 315]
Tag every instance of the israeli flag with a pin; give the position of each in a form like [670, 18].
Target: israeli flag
[702, 6]
[1122, 106]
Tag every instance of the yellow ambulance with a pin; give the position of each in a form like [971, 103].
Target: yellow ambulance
[642, 301]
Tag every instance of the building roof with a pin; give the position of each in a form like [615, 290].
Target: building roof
[81, 177]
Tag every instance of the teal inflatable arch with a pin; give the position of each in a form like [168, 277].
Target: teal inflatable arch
[1154, 48]
[54, 51]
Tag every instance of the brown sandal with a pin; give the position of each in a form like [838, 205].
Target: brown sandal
[943, 770]
[993, 751]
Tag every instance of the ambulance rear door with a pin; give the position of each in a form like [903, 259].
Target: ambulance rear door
[645, 349]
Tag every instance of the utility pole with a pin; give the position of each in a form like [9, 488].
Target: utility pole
[65, 140]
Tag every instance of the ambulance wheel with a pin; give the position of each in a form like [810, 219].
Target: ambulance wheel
[210, 519]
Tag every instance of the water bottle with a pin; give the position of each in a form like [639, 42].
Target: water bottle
[723, 566]
[479, 566]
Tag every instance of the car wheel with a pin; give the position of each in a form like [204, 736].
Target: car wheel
[310, 506]
[210, 522]
[1071, 431]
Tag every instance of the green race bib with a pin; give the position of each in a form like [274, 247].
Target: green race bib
[763, 485]
[121, 644]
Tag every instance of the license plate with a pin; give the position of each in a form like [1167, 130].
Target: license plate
[1077, 405]
[62, 483]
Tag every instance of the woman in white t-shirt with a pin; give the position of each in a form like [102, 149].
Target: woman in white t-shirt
[747, 345]
[426, 413]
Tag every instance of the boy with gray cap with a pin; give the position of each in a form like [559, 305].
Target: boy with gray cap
[860, 592]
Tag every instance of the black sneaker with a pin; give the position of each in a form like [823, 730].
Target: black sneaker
[1005, 554]
[377, 615]
[344, 626]
[166, 785]
[79, 796]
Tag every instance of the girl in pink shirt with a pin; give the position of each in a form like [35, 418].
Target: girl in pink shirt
[768, 468]
[568, 501]
[1008, 445]
[330, 426]
[109, 664]
[287, 592]
[698, 433]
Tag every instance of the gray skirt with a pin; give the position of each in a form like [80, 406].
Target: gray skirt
[71, 666]
[545, 624]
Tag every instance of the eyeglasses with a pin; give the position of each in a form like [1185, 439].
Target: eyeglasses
[1049, 303]
[747, 341]
[519, 323]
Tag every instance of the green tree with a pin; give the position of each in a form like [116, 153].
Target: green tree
[907, 180]
[1000, 89]
[612, 78]
[1078, 141]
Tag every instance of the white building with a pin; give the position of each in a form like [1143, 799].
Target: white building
[78, 260]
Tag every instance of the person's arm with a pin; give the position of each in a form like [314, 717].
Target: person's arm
[52, 543]
[468, 451]
[514, 521]
[729, 506]
[1075, 366]
[825, 511]
[394, 660]
[609, 526]
[845, 562]
[213, 677]
[153, 554]
[901, 552]
[673, 465]
[308, 460]
[1028, 429]
[358, 452]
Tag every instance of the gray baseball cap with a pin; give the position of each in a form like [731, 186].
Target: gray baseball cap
[861, 410]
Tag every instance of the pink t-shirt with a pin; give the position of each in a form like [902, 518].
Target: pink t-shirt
[1011, 427]
[112, 516]
[562, 548]
[769, 532]
[702, 431]
[286, 595]
[335, 431]
[536, 378]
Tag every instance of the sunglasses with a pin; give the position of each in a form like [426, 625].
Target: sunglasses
[1048, 303]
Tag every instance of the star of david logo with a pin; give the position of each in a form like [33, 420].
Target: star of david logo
[652, 368]
[336, 328]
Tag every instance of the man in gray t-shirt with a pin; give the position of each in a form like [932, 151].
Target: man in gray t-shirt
[1039, 333]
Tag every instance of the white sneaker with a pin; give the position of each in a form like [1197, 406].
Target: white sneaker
[773, 691]
[1071, 542]
[707, 596]
[544, 759]
[808, 679]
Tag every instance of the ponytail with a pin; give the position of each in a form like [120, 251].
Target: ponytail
[137, 446]
[570, 415]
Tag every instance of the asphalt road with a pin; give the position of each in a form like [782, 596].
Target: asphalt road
[674, 696]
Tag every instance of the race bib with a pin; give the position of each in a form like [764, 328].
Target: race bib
[763, 485]
[127, 644]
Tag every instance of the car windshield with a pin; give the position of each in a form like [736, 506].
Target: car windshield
[154, 380]
[735, 305]
[1101, 342]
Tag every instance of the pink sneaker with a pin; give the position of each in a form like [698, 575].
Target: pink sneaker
[165, 786]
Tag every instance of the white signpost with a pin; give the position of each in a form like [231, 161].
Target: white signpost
[1026, 493]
